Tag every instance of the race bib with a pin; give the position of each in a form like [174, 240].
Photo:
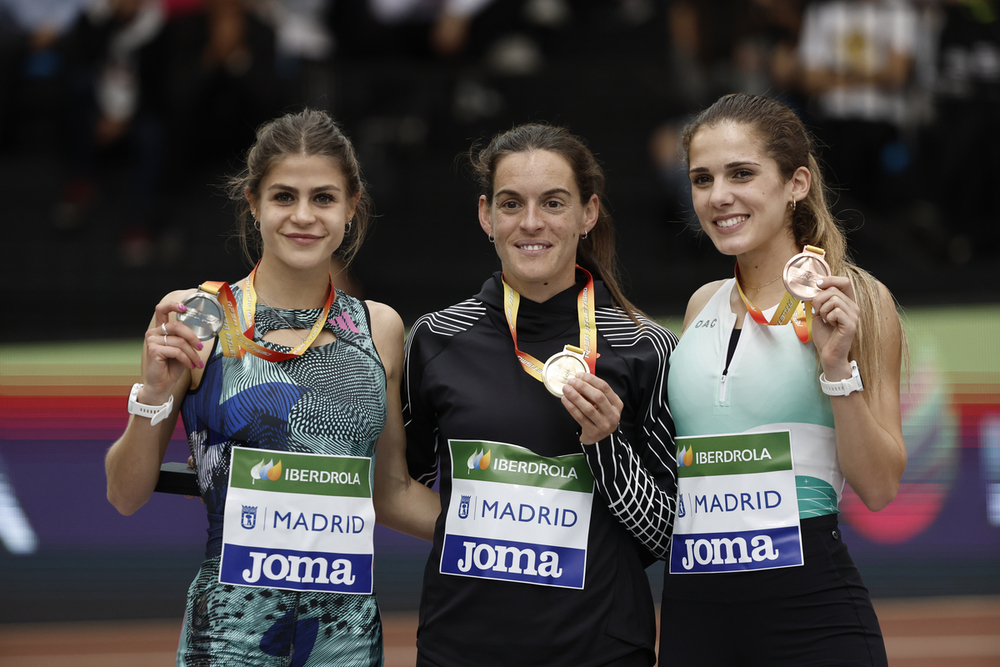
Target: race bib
[517, 516]
[302, 522]
[736, 504]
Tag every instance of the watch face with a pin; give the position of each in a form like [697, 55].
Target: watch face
[203, 315]
[560, 368]
[801, 273]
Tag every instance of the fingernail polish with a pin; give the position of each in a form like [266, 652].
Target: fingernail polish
[181, 307]
[200, 346]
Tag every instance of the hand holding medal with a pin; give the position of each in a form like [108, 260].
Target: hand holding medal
[803, 272]
[170, 349]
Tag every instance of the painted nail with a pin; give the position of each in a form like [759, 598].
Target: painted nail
[819, 282]
[200, 346]
[181, 307]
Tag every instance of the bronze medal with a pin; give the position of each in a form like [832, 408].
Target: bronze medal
[802, 271]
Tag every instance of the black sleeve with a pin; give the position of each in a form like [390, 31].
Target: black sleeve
[636, 474]
[421, 428]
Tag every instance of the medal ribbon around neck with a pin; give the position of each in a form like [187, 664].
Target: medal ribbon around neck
[236, 343]
[789, 309]
[586, 316]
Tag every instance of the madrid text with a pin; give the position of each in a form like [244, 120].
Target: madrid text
[730, 502]
[317, 523]
[551, 516]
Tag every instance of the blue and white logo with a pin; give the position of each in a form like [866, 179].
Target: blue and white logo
[249, 517]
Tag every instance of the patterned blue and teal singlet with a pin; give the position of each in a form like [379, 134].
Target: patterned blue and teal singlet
[329, 400]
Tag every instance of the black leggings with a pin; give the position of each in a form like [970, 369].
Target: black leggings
[819, 614]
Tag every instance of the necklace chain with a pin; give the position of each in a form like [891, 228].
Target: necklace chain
[757, 289]
[275, 311]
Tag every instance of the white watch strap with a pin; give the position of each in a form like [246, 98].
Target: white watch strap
[154, 413]
[843, 387]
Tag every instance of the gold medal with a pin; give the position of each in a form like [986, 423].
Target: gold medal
[562, 367]
[803, 270]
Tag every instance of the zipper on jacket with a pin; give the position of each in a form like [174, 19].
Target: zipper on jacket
[734, 339]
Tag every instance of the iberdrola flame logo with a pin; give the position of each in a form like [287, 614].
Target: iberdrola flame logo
[270, 470]
[685, 457]
[480, 460]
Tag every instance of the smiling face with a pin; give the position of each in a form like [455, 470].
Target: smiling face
[302, 207]
[741, 199]
[537, 218]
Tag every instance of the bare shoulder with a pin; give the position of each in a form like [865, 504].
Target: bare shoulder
[384, 319]
[699, 299]
[387, 334]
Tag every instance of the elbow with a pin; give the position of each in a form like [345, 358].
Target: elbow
[878, 500]
[385, 511]
[124, 505]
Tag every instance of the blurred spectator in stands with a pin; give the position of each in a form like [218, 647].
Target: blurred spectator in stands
[959, 148]
[113, 58]
[436, 26]
[31, 67]
[732, 46]
[858, 63]
[304, 47]
[221, 83]
[715, 49]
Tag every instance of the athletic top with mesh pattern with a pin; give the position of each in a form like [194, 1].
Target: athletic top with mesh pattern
[462, 381]
[329, 400]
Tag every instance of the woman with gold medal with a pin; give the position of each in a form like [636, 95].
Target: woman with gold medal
[513, 399]
[283, 408]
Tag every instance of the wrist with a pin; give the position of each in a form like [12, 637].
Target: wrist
[845, 386]
[154, 413]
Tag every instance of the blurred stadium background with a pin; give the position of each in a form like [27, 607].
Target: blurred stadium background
[108, 208]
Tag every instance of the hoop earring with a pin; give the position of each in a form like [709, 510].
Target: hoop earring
[793, 205]
[584, 235]
[347, 227]
[256, 224]
[492, 240]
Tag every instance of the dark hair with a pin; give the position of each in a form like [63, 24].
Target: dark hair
[596, 253]
[307, 132]
[786, 141]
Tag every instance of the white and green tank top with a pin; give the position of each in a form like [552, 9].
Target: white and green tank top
[772, 383]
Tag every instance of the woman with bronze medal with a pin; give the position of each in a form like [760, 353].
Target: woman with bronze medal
[286, 386]
[513, 399]
[785, 384]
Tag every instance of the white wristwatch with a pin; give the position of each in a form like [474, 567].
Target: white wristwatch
[843, 387]
[154, 413]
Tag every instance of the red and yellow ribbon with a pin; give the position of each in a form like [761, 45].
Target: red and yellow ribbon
[789, 309]
[236, 342]
[586, 316]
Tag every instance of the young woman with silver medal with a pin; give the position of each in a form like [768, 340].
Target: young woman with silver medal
[284, 409]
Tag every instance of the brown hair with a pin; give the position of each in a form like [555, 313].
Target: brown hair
[307, 132]
[790, 145]
[597, 252]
